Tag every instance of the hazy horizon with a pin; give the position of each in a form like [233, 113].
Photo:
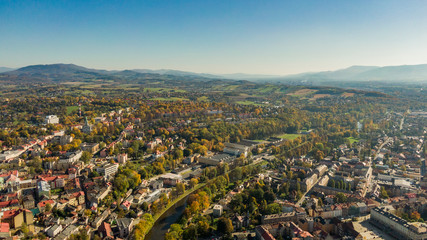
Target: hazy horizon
[216, 37]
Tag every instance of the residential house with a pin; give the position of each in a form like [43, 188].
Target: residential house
[125, 226]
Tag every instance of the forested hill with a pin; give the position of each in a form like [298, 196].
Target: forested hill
[64, 73]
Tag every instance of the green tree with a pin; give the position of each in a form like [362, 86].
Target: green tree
[340, 198]
[86, 156]
[225, 225]
[180, 187]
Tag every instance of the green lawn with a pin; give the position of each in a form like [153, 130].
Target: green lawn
[151, 89]
[289, 136]
[353, 140]
[246, 102]
[203, 99]
[70, 109]
[169, 99]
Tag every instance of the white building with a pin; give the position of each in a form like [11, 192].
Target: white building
[54, 230]
[51, 119]
[108, 170]
[236, 149]
[396, 226]
[217, 210]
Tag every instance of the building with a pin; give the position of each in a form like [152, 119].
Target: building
[87, 128]
[217, 210]
[282, 217]
[217, 159]
[42, 205]
[28, 202]
[51, 119]
[43, 189]
[122, 158]
[236, 149]
[90, 147]
[105, 231]
[65, 139]
[4, 231]
[125, 226]
[9, 155]
[54, 230]
[17, 217]
[396, 226]
[171, 179]
[108, 170]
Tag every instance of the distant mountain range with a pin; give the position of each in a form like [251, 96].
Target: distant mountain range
[402, 74]
[64, 73]
[70, 72]
[6, 69]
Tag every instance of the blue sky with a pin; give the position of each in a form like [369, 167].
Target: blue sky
[230, 36]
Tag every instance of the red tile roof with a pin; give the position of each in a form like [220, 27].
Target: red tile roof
[43, 203]
[4, 227]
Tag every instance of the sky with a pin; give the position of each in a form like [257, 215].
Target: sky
[214, 36]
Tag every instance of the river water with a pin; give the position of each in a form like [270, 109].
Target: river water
[171, 216]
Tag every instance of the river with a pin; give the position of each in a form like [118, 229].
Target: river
[171, 216]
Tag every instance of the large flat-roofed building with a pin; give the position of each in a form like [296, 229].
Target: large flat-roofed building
[396, 226]
[108, 169]
[282, 217]
[236, 149]
[90, 147]
[217, 159]
[51, 119]
[171, 179]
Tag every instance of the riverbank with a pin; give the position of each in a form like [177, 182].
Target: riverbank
[185, 194]
[158, 216]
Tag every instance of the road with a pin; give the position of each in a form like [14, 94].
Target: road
[308, 190]
[401, 123]
[381, 146]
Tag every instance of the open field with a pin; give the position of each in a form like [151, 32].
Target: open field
[302, 92]
[169, 99]
[346, 94]
[317, 96]
[203, 99]
[289, 136]
[353, 140]
[151, 89]
[70, 109]
[246, 102]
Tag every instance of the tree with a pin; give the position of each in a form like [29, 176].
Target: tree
[383, 193]
[203, 228]
[415, 215]
[48, 207]
[225, 225]
[273, 208]
[340, 198]
[86, 156]
[24, 228]
[174, 233]
[190, 232]
[194, 207]
[193, 182]
[144, 206]
[180, 187]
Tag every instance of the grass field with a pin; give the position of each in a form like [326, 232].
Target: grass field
[203, 99]
[353, 140]
[170, 99]
[246, 102]
[289, 136]
[302, 92]
[70, 109]
[151, 89]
